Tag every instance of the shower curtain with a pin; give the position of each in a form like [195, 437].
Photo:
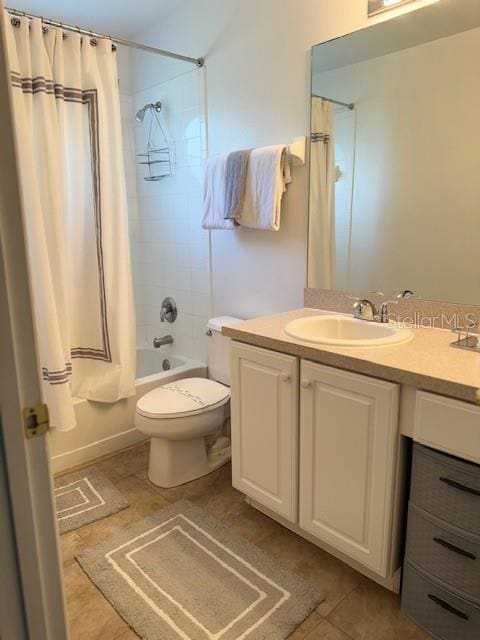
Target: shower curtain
[321, 236]
[68, 130]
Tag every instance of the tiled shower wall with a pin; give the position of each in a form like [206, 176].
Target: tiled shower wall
[170, 250]
[128, 133]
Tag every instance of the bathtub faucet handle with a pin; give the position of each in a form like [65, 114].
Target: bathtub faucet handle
[168, 310]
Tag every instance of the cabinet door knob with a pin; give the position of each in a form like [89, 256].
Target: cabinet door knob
[285, 377]
[306, 383]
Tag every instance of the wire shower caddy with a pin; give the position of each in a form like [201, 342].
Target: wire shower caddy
[158, 158]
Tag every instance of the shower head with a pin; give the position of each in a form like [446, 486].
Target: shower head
[140, 115]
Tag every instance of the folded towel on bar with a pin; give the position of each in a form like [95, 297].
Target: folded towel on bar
[268, 174]
[214, 195]
[235, 182]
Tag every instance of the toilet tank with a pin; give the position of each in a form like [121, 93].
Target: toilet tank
[219, 349]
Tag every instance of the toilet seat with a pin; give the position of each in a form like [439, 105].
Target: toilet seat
[182, 398]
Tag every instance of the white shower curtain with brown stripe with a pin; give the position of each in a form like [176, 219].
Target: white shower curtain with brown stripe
[321, 233]
[68, 129]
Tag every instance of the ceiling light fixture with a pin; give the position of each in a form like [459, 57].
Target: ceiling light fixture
[377, 6]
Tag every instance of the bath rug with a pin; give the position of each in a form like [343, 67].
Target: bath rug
[85, 496]
[182, 574]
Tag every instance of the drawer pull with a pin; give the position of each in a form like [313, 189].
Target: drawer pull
[462, 487]
[452, 547]
[448, 607]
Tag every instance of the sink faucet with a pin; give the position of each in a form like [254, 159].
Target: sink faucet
[159, 342]
[366, 310]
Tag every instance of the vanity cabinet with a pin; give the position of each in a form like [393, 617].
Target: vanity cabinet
[348, 446]
[318, 449]
[264, 408]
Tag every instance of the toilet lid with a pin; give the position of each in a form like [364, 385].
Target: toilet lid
[183, 397]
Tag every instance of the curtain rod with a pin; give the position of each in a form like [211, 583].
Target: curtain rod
[198, 62]
[349, 105]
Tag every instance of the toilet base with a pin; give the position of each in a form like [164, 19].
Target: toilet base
[175, 462]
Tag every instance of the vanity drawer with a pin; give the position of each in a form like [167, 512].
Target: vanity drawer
[443, 553]
[447, 488]
[438, 611]
[448, 425]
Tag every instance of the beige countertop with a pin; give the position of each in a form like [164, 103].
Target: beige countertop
[426, 362]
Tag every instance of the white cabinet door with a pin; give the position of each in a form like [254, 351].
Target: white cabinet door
[348, 446]
[265, 427]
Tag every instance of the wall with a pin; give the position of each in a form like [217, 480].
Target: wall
[169, 247]
[416, 183]
[258, 79]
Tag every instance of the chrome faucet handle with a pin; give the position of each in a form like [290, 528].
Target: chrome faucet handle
[406, 294]
[168, 310]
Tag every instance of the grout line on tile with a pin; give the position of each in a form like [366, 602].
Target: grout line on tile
[124, 634]
[344, 597]
[340, 629]
[310, 633]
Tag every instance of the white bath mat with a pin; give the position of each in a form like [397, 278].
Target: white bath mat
[182, 574]
[85, 496]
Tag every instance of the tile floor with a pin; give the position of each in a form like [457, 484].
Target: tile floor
[355, 608]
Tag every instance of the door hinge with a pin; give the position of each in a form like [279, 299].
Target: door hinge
[36, 420]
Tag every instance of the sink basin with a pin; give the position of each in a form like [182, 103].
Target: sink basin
[343, 331]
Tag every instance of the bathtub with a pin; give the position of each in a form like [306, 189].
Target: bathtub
[106, 428]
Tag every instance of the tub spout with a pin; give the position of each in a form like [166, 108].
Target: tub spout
[159, 342]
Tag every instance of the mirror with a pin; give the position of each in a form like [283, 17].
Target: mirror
[395, 157]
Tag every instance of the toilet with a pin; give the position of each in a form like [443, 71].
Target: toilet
[188, 419]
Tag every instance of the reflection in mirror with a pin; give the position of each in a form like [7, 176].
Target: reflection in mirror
[395, 157]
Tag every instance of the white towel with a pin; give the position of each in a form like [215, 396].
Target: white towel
[267, 178]
[214, 195]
